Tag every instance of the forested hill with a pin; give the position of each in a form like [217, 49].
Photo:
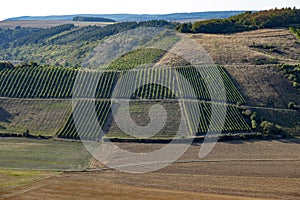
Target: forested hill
[65, 45]
[142, 17]
[246, 21]
[69, 45]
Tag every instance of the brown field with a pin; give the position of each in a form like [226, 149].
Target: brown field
[47, 23]
[230, 49]
[262, 85]
[233, 170]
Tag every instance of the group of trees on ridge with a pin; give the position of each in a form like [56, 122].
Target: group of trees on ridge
[92, 19]
[24, 36]
[244, 22]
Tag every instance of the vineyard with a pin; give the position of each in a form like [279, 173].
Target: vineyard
[137, 58]
[139, 112]
[176, 88]
[37, 82]
[156, 83]
[194, 75]
[50, 82]
[102, 109]
[234, 121]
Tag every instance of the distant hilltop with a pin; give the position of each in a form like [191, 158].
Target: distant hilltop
[138, 17]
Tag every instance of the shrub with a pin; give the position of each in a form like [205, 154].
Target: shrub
[292, 106]
[269, 128]
[253, 124]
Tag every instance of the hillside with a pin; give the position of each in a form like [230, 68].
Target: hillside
[40, 117]
[47, 62]
[135, 17]
[251, 65]
[66, 45]
[44, 82]
[246, 21]
[269, 98]
[70, 44]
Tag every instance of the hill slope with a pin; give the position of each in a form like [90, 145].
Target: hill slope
[136, 17]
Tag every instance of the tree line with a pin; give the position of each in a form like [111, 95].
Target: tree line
[244, 22]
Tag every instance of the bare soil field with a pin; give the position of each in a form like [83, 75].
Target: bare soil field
[233, 170]
[47, 23]
[263, 85]
[252, 46]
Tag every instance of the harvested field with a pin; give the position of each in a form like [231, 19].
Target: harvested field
[233, 170]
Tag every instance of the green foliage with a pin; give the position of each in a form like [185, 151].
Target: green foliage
[6, 65]
[9, 35]
[296, 31]
[62, 45]
[184, 28]
[292, 72]
[49, 82]
[253, 124]
[234, 121]
[199, 84]
[292, 105]
[92, 19]
[269, 128]
[41, 36]
[136, 58]
[245, 22]
[102, 108]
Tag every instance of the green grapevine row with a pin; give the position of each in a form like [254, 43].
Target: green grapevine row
[160, 84]
[198, 125]
[51, 82]
[199, 84]
[102, 109]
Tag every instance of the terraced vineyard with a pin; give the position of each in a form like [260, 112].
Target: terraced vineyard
[37, 82]
[199, 84]
[162, 84]
[139, 112]
[50, 82]
[234, 121]
[137, 58]
[102, 109]
[143, 86]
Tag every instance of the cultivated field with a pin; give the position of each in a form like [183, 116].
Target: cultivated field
[30, 154]
[233, 170]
